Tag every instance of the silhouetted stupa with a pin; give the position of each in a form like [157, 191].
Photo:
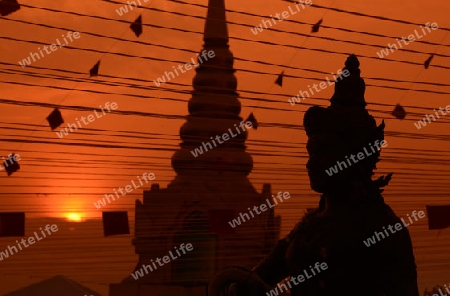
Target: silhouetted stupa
[207, 192]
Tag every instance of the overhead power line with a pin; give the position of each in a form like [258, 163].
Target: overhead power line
[236, 38]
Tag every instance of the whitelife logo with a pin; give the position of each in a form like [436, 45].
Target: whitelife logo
[423, 122]
[322, 85]
[187, 67]
[392, 47]
[371, 240]
[31, 241]
[27, 61]
[262, 207]
[197, 151]
[301, 278]
[146, 176]
[124, 9]
[140, 273]
[360, 155]
[284, 15]
[11, 158]
[64, 132]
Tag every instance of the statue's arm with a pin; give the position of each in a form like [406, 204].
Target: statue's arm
[273, 269]
[398, 271]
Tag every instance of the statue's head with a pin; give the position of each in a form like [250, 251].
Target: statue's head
[343, 132]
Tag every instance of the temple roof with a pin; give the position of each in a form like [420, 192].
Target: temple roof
[55, 286]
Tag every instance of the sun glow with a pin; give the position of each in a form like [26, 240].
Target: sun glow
[74, 217]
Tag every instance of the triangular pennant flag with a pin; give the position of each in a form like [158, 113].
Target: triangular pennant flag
[8, 7]
[438, 217]
[115, 223]
[252, 119]
[428, 61]
[399, 112]
[55, 119]
[94, 70]
[136, 27]
[12, 224]
[316, 26]
[279, 80]
[218, 221]
[11, 165]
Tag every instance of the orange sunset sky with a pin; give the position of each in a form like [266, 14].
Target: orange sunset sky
[61, 178]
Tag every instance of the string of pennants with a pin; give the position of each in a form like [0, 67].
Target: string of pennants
[12, 224]
[398, 112]
[10, 6]
[55, 118]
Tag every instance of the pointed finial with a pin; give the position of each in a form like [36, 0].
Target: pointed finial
[352, 62]
[216, 24]
[350, 87]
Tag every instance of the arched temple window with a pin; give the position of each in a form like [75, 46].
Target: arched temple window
[196, 266]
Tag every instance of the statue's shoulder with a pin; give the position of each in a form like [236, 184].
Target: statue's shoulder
[311, 218]
[377, 211]
[366, 218]
[374, 217]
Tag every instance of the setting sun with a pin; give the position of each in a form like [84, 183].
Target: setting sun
[74, 217]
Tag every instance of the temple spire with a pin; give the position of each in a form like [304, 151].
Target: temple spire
[215, 25]
[214, 108]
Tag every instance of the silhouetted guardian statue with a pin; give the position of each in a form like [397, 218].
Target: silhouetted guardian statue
[350, 211]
